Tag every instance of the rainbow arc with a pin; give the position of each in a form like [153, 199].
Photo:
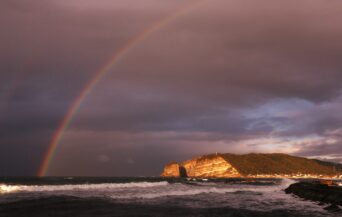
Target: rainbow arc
[88, 88]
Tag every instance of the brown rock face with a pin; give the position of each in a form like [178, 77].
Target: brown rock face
[173, 170]
[210, 167]
[214, 166]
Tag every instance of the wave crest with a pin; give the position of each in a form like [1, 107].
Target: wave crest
[104, 186]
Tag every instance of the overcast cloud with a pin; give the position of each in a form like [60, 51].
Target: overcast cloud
[228, 76]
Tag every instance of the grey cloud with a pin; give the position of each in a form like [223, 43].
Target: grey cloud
[197, 77]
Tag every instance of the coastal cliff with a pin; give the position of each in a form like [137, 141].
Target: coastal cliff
[213, 166]
[205, 166]
[252, 165]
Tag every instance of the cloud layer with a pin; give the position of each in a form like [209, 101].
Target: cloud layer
[228, 76]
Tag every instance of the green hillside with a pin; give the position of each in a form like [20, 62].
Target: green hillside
[254, 164]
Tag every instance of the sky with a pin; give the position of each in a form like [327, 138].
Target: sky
[228, 76]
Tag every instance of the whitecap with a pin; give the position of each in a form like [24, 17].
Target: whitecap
[78, 187]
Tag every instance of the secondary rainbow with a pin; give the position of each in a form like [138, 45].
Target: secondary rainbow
[58, 135]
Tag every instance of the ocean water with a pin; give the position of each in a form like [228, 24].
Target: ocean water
[72, 196]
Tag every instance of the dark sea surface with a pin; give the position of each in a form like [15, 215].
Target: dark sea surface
[148, 196]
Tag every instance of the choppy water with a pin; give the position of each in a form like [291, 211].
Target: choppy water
[152, 197]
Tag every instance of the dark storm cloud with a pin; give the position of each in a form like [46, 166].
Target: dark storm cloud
[251, 52]
[48, 52]
[226, 76]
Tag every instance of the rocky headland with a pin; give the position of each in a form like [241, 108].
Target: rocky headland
[252, 166]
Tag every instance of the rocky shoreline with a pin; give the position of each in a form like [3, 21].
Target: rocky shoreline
[323, 192]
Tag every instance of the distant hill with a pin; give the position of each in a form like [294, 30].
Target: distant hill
[280, 164]
[336, 166]
[252, 165]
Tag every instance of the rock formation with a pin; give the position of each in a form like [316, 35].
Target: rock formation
[251, 165]
[325, 193]
[213, 166]
[173, 170]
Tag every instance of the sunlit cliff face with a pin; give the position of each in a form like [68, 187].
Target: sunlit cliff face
[226, 76]
[276, 165]
[201, 167]
[216, 167]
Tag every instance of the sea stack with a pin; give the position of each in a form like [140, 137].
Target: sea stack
[252, 166]
[173, 169]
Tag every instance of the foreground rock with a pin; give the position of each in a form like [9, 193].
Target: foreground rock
[252, 166]
[316, 191]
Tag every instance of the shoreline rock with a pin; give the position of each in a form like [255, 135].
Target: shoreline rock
[316, 191]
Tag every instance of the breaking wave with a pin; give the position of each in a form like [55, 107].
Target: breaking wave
[214, 188]
[175, 193]
[105, 186]
[235, 195]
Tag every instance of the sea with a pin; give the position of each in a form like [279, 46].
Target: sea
[152, 196]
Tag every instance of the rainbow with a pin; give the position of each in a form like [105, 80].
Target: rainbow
[74, 107]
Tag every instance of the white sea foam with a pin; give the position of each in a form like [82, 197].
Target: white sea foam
[286, 182]
[194, 194]
[203, 188]
[160, 189]
[79, 187]
[8, 188]
[173, 192]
